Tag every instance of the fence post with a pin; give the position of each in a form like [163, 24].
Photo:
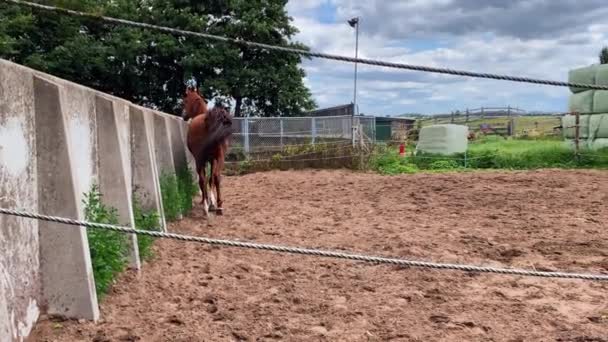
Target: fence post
[245, 132]
[281, 128]
[577, 131]
[314, 129]
[512, 126]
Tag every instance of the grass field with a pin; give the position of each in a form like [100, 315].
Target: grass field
[543, 124]
[492, 153]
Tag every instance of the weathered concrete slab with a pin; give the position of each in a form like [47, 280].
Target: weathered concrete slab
[114, 184]
[66, 291]
[178, 147]
[143, 170]
[189, 157]
[20, 283]
[52, 150]
[162, 146]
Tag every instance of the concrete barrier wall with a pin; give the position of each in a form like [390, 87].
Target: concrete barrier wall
[57, 139]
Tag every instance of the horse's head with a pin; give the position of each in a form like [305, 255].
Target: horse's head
[194, 103]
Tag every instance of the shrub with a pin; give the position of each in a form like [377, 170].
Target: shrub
[187, 189]
[170, 196]
[391, 163]
[177, 190]
[145, 220]
[444, 165]
[108, 248]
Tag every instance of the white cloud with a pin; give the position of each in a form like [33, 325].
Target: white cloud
[484, 47]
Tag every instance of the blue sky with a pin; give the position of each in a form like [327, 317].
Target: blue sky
[496, 36]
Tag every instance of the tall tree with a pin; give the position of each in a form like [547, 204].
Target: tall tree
[604, 56]
[149, 67]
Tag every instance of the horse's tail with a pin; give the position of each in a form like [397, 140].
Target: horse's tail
[220, 128]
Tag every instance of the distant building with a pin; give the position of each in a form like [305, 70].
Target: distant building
[393, 128]
[342, 110]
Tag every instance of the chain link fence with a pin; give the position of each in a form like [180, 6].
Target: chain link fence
[259, 134]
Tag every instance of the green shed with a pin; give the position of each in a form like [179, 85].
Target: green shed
[389, 128]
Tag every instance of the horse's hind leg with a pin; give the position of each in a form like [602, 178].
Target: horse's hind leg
[216, 173]
[202, 183]
[212, 200]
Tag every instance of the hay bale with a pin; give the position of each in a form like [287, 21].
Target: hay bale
[585, 144]
[600, 101]
[585, 75]
[601, 75]
[592, 126]
[443, 139]
[568, 123]
[581, 102]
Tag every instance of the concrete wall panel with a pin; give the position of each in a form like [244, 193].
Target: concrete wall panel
[57, 139]
[177, 143]
[162, 146]
[145, 177]
[114, 165]
[19, 263]
[67, 291]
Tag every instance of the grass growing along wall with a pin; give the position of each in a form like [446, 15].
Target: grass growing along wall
[145, 220]
[108, 249]
[178, 191]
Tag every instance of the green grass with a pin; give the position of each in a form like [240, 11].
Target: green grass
[543, 124]
[108, 249]
[170, 196]
[187, 188]
[145, 220]
[493, 153]
[177, 190]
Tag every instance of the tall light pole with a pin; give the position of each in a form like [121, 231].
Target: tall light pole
[354, 22]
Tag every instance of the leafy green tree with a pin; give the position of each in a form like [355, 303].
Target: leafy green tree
[149, 67]
[604, 56]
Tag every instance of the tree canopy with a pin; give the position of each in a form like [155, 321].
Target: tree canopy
[604, 56]
[149, 67]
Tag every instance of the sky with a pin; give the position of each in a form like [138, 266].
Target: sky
[533, 38]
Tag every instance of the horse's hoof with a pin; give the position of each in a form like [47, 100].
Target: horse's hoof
[219, 211]
[212, 207]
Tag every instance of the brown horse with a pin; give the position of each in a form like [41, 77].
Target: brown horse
[208, 135]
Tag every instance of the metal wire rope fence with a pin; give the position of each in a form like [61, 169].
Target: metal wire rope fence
[301, 52]
[379, 260]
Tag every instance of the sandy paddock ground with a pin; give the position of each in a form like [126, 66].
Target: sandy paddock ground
[543, 220]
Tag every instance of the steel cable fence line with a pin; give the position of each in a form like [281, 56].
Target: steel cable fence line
[310, 53]
[307, 251]
[293, 146]
[281, 160]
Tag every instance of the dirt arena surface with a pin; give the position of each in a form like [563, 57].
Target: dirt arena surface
[547, 220]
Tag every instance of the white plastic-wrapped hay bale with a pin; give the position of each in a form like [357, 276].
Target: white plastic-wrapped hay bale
[568, 123]
[600, 101]
[585, 75]
[581, 102]
[443, 139]
[593, 145]
[591, 126]
[601, 74]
